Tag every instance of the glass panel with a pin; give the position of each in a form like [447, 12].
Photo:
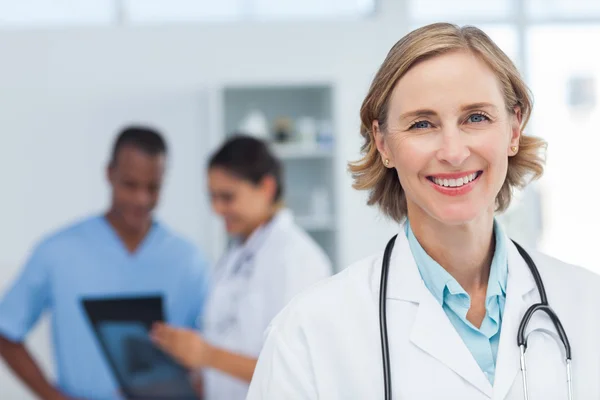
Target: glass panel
[565, 77]
[563, 8]
[152, 11]
[269, 9]
[43, 13]
[430, 10]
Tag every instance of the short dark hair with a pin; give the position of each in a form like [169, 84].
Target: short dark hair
[250, 159]
[144, 138]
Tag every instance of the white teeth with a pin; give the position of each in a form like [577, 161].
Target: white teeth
[455, 182]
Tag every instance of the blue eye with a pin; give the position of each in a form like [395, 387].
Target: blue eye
[420, 125]
[476, 118]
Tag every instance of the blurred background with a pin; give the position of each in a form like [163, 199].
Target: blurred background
[72, 73]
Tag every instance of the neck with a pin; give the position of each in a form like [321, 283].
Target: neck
[266, 218]
[129, 236]
[465, 251]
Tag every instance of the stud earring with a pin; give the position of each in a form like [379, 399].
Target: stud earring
[386, 162]
[514, 149]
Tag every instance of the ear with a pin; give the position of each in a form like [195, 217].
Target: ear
[515, 132]
[269, 186]
[109, 173]
[381, 144]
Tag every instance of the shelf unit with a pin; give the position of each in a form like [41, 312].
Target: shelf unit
[294, 151]
[308, 162]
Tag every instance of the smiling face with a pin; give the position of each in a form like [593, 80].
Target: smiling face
[136, 178]
[242, 204]
[449, 135]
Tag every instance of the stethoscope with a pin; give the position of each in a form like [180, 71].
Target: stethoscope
[521, 339]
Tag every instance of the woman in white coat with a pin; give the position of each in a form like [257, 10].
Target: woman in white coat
[444, 147]
[270, 260]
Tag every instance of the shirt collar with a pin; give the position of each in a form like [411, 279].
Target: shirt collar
[499, 269]
[437, 279]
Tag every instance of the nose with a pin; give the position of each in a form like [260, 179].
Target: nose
[453, 148]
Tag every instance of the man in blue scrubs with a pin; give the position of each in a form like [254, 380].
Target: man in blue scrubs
[124, 252]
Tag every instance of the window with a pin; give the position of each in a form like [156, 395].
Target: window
[46, 13]
[565, 78]
[541, 9]
[156, 11]
[265, 9]
[60, 13]
[153, 11]
[436, 10]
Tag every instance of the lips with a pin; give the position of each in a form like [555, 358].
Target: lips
[454, 180]
[455, 184]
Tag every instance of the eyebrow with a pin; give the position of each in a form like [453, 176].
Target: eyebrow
[475, 106]
[429, 113]
[415, 113]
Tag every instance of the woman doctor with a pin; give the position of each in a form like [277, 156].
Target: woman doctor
[269, 261]
[444, 147]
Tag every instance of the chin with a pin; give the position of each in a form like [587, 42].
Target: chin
[458, 214]
[232, 230]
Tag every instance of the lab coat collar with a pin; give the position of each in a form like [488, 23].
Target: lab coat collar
[433, 332]
[282, 218]
[404, 280]
[520, 284]
[405, 283]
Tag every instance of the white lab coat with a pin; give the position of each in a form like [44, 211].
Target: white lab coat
[326, 342]
[277, 262]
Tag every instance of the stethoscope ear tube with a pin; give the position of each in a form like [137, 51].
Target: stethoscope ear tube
[521, 339]
[534, 272]
[385, 267]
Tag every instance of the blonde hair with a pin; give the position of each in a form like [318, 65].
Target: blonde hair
[424, 43]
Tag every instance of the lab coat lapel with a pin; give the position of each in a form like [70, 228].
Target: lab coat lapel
[520, 283]
[432, 331]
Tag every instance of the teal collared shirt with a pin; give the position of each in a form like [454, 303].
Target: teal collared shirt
[483, 341]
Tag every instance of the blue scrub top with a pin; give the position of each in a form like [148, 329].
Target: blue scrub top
[89, 259]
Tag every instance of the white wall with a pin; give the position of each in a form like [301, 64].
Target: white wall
[54, 139]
